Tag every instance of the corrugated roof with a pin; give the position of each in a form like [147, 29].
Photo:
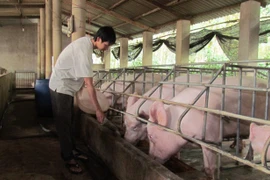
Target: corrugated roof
[129, 17]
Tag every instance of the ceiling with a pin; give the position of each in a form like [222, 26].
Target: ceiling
[128, 17]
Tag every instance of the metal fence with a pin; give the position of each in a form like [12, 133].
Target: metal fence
[24, 79]
[226, 70]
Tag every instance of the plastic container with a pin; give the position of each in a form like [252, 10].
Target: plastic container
[43, 98]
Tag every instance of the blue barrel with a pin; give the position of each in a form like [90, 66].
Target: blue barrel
[43, 98]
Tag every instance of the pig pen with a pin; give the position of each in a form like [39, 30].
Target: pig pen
[131, 162]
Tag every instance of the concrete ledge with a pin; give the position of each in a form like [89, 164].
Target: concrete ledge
[124, 160]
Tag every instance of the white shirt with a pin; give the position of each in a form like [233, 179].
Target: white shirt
[73, 64]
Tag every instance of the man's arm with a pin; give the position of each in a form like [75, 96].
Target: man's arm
[92, 94]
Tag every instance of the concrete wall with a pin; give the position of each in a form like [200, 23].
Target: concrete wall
[123, 159]
[7, 83]
[18, 49]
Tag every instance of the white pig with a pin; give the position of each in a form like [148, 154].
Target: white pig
[164, 144]
[258, 136]
[120, 86]
[136, 130]
[86, 105]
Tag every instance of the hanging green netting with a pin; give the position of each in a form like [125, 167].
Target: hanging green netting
[133, 51]
[228, 39]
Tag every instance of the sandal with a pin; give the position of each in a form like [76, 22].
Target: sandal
[74, 167]
[80, 155]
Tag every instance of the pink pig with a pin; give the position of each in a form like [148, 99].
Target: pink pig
[164, 144]
[135, 129]
[85, 103]
[258, 136]
[120, 86]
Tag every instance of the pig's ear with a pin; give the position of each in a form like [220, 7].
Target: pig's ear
[252, 126]
[131, 100]
[158, 113]
[251, 130]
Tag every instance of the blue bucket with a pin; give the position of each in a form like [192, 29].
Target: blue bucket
[43, 98]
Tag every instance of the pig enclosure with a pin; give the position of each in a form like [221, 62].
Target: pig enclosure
[145, 77]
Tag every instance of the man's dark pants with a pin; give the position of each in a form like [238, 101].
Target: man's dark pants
[62, 106]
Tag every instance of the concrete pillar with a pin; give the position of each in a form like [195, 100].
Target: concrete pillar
[79, 15]
[182, 41]
[42, 43]
[78, 12]
[107, 58]
[123, 52]
[249, 30]
[57, 30]
[48, 66]
[147, 48]
[38, 50]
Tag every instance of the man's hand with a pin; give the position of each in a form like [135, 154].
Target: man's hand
[100, 116]
[92, 94]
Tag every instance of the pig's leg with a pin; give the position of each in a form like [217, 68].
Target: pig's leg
[241, 144]
[210, 162]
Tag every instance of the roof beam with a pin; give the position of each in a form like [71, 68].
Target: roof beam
[176, 2]
[19, 17]
[30, 2]
[68, 14]
[153, 11]
[127, 20]
[161, 7]
[110, 8]
[147, 13]
[99, 26]
[22, 6]
[118, 4]
[194, 16]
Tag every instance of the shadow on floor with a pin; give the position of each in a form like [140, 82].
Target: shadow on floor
[29, 147]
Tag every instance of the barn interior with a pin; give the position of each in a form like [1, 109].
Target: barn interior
[33, 34]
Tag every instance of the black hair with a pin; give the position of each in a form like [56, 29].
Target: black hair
[106, 34]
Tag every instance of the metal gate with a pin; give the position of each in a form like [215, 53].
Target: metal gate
[24, 79]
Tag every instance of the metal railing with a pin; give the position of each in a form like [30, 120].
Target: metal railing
[227, 69]
[24, 79]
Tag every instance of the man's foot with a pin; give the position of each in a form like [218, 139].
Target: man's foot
[74, 167]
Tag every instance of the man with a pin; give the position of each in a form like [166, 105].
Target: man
[72, 70]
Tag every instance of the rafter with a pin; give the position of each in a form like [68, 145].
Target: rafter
[176, 2]
[161, 7]
[66, 13]
[111, 8]
[192, 17]
[127, 20]
[22, 6]
[19, 17]
[153, 11]
[22, 2]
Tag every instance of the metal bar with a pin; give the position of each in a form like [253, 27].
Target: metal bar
[255, 166]
[219, 112]
[196, 99]
[239, 112]
[159, 86]
[219, 86]
[267, 97]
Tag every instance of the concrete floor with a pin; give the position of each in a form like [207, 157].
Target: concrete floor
[29, 153]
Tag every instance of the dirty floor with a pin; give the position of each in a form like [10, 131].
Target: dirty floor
[29, 148]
